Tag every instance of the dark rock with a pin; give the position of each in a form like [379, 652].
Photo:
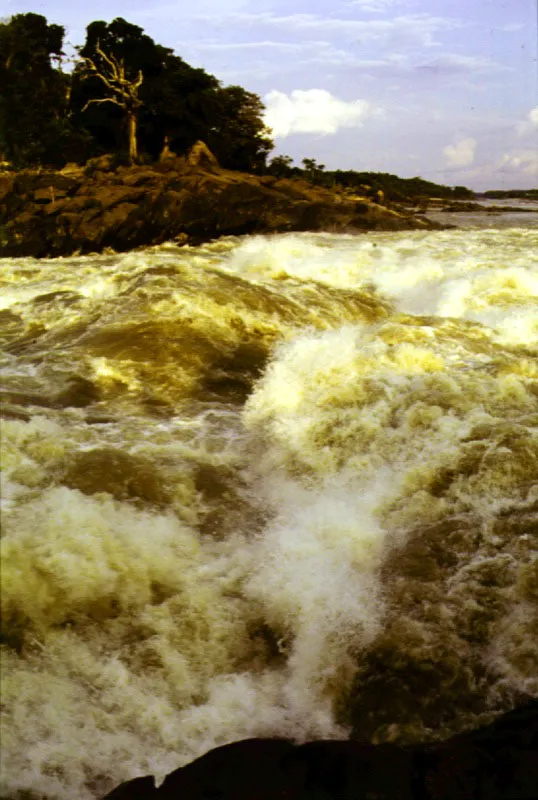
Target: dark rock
[497, 762]
[78, 392]
[254, 768]
[124, 476]
[137, 789]
[140, 178]
[105, 163]
[6, 186]
[111, 196]
[58, 213]
[200, 154]
[51, 181]
[43, 195]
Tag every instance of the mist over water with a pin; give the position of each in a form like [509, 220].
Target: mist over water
[269, 486]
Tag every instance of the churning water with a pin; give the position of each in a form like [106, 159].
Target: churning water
[271, 486]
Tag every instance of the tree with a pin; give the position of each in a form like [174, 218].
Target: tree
[281, 166]
[177, 102]
[462, 193]
[313, 170]
[123, 81]
[34, 125]
[180, 105]
[238, 135]
[123, 92]
[124, 56]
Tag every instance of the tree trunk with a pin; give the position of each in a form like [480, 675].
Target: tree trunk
[133, 146]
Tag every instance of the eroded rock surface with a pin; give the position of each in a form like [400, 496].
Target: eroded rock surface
[87, 210]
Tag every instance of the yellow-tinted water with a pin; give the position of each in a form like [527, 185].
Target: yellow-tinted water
[278, 486]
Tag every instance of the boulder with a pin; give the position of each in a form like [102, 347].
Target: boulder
[201, 155]
[496, 762]
[105, 163]
[43, 195]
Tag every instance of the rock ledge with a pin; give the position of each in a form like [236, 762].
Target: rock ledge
[85, 210]
[497, 762]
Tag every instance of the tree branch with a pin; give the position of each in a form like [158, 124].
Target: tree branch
[111, 61]
[104, 100]
[117, 83]
[93, 69]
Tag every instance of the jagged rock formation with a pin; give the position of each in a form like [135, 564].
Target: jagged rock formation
[498, 762]
[86, 210]
[200, 154]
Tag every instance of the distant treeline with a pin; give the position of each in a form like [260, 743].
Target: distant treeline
[394, 188]
[400, 189]
[125, 95]
[499, 194]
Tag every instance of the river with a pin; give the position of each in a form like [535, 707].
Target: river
[268, 486]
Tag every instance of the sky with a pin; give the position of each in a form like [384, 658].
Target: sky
[443, 89]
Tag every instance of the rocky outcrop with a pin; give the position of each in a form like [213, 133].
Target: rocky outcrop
[200, 154]
[498, 762]
[89, 209]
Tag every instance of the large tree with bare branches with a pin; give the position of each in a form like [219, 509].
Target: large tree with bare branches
[177, 102]
[111, 86]
[126, 95]
[122, 91]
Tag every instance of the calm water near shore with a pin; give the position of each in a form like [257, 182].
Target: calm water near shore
[524, 213]
[268, 486]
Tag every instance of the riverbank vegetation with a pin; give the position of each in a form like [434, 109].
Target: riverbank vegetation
[393, 187]
[127, 96]
[123, 95]
[503, 194]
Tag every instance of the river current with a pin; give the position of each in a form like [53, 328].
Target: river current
[268, 486]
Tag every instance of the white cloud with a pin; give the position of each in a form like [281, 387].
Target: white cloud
[512, 27]
[461, 154]
[455, 63]
[520, 162]
[312, 111]
[402, 30]
[529, 127]
[517, 168]
[290, 47]
[373, 6]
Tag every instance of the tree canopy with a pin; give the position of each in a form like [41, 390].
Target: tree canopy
[126, 95]
[33, 91]
[129, 96]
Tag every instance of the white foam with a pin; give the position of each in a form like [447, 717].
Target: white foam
[468, 275]
[149, 636]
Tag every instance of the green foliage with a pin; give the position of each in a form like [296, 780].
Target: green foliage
[500, 194]
[179, 104]
[48, 117]
[396, 189]
[281, 167]
[105, 123]
[34, 127]
[315, 173]
[462, 193]
[238, 136]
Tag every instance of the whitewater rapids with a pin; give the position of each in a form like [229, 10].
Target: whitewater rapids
[270, 486]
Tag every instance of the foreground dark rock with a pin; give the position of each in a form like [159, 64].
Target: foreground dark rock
[497, 762]
[89, 209]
